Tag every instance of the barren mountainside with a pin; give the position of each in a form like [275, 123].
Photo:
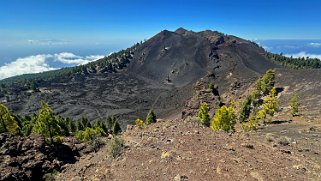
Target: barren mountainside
[158, 74]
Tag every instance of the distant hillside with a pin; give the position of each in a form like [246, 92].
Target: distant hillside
[157, 74]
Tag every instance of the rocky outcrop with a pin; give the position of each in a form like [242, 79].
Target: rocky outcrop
[201, 94]
[29, 158]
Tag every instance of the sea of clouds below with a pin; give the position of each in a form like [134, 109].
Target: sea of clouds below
[43, 62]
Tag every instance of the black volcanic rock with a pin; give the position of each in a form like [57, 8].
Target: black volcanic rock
[29, 158]
[159, 75]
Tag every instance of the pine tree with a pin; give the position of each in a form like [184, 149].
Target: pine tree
[270, 103]
[80, 126]
[85, 122]
[72, 126]
[151, 117]
[115, 127]
[246, 109]
[224, 119]
[203, 114]
[268, 81]
[46, 124]
[294, 104]
[64, 125]
[7, 121]
[110, 120]
[104, 127]
[97, 124]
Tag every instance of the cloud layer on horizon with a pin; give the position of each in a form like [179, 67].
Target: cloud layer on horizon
[313, 44]
[41, 63]
[304, 54]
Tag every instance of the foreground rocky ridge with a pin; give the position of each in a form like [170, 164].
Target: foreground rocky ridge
[178, 149]
[30, 158]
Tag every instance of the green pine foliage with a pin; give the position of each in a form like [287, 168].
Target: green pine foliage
[294, 104]
[252, 124]
[7, 121]
[295, 63]
[80, 126]
[246, 108]
[112, 125]
[203, 114]
[151, 117]
[85, 122]
[270, 104]
[268, 108]
[90, 134]
[46, 124]
[266, 83]
[110, 121]
[224, 119]
[116, 129]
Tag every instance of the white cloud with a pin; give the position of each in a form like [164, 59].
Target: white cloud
[70, 58]
[41, 63]
[31, 64]
[314, 44]
[304, 54]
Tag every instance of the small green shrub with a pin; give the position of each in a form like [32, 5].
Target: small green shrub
[203, 114]
[50, 176]
[115, 147]
[294, 104]
[252, 124]
[89, 134]
[140, 123]
[58, 139]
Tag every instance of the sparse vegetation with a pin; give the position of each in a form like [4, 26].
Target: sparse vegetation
[265, 84]
[224, 119]
[203, 114]
[90, 134]
[50, 176]
[270, 137]
[54, 128]
[151, 118]
[115, 147]
[252, 124]
[253, 109]
[269, 106]
[140, 123]
[283, 140]
[294, 104]
[246, 108]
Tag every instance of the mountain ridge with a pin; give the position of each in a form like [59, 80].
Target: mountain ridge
[164, 67]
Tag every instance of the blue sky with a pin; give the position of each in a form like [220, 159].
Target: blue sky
[120, 21]
[94, 28]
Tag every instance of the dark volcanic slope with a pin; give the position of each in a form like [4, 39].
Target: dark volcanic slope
[160, 76]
